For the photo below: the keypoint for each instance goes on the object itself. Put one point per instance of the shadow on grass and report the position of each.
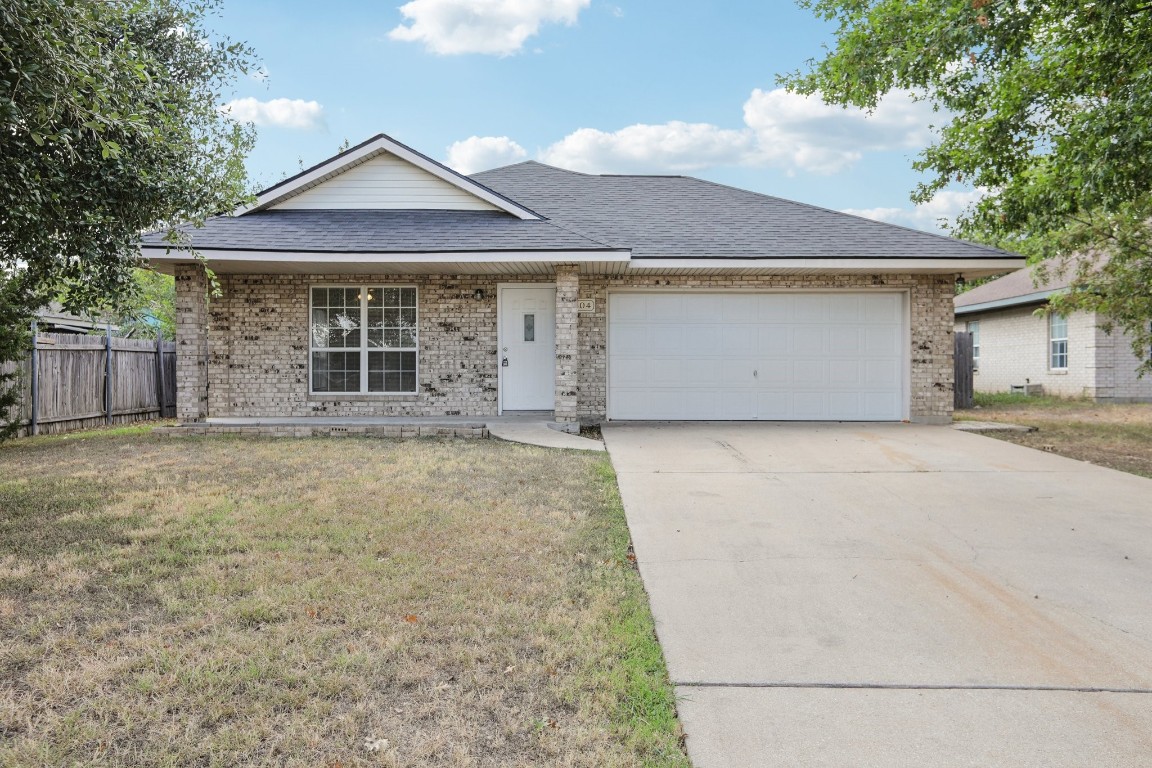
(44, 516)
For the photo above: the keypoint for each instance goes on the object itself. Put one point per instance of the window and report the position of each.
(363, 339)
(974, 329)
(1057, 342)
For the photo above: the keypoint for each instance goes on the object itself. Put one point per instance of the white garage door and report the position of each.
(773, 356)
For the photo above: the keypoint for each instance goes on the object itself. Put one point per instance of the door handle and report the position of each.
(504, 362)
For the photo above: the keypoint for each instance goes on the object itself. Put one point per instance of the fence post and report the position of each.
(160, 372)
(108, 374)
(34, 425)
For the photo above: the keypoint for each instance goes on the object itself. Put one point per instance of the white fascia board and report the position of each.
(1014, 301)
(161, 254)
(943, 266)
(368, 150)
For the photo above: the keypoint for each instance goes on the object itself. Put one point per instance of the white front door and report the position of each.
(527, 356)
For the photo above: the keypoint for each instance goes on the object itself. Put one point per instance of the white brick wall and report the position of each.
(257, 343)
(1014, 351)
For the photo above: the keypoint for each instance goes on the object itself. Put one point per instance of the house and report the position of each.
(381, 283)
(1014, 345)
(54, 319)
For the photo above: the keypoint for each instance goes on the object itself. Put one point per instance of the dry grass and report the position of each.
(326, 602)
(1110, 435)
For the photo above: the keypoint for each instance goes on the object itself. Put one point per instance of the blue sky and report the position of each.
(624, 86)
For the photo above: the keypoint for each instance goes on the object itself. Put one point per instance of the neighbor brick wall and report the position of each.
(258, 341)
(1014, 351)
(1116, 377)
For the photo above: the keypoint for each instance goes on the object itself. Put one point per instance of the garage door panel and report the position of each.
(808, 340)
(845, 373)
(809, 406)
(737, 340)
(774, 308)
(739, 308)
(882, 373)
(773, 339)
(880, 340)
(809, 373)
(843, 339)
(628, 372)
(883, 308)
(665, 339)
(794, 356)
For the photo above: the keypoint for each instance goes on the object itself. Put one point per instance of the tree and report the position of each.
(1046, 105)
(109, 126)
(151, 307)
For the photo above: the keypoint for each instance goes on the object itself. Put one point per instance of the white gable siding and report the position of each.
(385, 182)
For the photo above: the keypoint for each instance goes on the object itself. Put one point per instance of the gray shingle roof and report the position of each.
(683, 217)
(1014, 285)
(389, 231)
(666, 217)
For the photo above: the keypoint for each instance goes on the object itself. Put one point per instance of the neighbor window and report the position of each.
(974, 329)
(1057, 342)
(363, 339)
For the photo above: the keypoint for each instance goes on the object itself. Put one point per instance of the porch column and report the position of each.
(191, 343)
(567, 346)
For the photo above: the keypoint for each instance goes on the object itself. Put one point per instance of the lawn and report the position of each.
(1111, 435)
(322, 602)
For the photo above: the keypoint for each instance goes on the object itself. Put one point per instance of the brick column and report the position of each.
(191, 343)
(567, 346)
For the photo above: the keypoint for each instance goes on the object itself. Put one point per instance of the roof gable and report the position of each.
(383, 174)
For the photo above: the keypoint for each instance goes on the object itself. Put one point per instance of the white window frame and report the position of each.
(973, 328)
(1054, 339)
(363, 349)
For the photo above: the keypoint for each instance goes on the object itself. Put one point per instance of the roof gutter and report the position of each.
(1013, 301)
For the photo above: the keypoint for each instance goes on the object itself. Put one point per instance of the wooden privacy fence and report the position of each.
(74, 382)
(963, 395)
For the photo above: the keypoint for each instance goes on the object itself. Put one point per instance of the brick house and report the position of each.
(381, 283)
(1067, 356)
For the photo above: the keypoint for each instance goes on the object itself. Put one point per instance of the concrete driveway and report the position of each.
(892, 595)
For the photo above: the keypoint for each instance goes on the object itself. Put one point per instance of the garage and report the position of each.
(795, 356)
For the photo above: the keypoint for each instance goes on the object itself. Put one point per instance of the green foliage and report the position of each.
(1048, 106)
(15, 342)
(151, 307)
(109, 126)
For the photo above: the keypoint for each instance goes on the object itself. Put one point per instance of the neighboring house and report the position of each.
(1015, 346)
(53, 319)
(380, 282)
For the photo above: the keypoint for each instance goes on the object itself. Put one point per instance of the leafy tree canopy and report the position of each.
(1046, 105)
(109, 126)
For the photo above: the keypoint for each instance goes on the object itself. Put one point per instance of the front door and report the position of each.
(527, 348)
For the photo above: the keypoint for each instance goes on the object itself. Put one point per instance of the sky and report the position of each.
(599, 86)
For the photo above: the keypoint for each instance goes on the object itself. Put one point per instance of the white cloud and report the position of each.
(802, 132)
(932, 216)
(284, 113)
(479, 153)
(781, 129)
(497, 27)
(675, 146)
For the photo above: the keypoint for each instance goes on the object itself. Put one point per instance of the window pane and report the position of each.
(407, 338)
(408, 317)
(392, 382)
(376, 297)
(319, 297)
(529, 327)
(391, 337)
(408, 382)
(390, 297)
(335, 371)
(408, 297)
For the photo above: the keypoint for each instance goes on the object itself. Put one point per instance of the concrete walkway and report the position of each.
(539, 433)
(892, 595)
